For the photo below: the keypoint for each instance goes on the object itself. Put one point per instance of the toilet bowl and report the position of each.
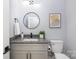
(57, 48)
(61, 56)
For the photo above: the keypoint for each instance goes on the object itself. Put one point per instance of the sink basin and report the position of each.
(30, 39)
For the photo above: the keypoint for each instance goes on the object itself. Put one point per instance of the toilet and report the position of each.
(57, 48)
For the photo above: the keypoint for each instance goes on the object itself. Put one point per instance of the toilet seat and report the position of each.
(61, 56)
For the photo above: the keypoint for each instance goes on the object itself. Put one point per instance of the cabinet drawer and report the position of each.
(29, 46)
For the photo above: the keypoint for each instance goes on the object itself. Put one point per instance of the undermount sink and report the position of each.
(30, 39)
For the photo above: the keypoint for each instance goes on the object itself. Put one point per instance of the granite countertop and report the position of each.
(21, 41)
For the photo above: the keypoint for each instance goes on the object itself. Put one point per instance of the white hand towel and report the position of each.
(17, 29)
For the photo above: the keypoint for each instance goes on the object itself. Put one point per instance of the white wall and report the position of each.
(70, 13)
(6, 26)
(18, 10)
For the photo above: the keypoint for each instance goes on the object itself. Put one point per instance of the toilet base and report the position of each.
(60, 56)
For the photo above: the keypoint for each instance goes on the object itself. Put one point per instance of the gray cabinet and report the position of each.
(39, 55)
(29, 51)
(18, 55)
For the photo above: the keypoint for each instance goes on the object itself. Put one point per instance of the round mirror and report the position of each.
(31, 20)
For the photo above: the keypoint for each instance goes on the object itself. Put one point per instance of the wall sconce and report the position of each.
(31, 2)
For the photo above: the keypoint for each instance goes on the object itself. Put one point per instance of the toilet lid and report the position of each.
(61, 56)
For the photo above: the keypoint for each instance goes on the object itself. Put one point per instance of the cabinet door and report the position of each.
(19, 55)
(38, 55)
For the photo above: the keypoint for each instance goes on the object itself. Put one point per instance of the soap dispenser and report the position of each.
(22, 35)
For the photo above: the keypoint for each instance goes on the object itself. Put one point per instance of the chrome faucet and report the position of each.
(31, 35)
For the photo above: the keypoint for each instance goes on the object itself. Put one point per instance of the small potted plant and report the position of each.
(42, 35)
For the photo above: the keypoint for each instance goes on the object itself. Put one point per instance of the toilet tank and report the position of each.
(57, 46)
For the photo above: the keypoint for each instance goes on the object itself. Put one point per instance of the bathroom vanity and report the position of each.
(21, 49)
(31, 48)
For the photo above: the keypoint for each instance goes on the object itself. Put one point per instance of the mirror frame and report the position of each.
(36, 15)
